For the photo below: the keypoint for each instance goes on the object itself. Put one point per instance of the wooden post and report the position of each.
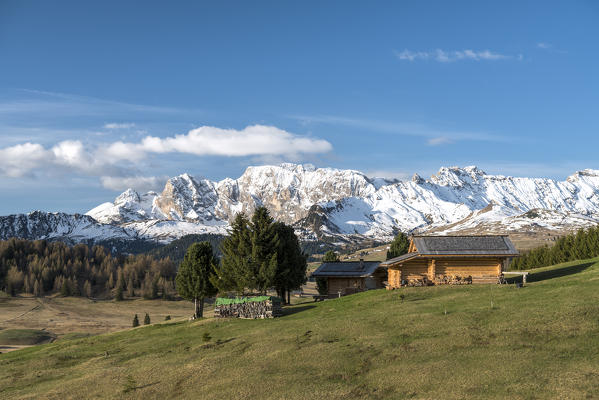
(431, 270)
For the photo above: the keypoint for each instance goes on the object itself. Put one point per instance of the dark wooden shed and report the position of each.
(345, 277)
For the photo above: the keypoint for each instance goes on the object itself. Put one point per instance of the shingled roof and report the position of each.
(352, 269)
(459, 245)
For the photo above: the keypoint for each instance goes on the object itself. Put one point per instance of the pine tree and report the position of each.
(118, 294)
(120, 286)
(147, 319)
(291, 263)
(399, 246)
(135, 321)
(235, 273)
(330, 256)
(65, 290)
(193, 278)
(264, 244)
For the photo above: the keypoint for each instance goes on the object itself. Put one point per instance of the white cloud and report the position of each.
(543, 45)
(19, 160)
(139, 183)
(451, 56)
(436, 141)
(118, 163)
(207, 140)
(115, 125)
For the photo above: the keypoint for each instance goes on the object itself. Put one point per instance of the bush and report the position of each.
(321, 286)
(167, 318)
(135, 321)
(206, 337)
(147, 319)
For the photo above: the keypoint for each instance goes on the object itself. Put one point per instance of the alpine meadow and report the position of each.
(279, 200)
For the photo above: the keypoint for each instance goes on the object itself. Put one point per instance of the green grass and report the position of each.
(24, 337)
(451, 342)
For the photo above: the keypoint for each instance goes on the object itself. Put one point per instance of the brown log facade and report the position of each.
(451, 260)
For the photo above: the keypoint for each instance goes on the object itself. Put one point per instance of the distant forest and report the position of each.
(578, 246)
(41, 268)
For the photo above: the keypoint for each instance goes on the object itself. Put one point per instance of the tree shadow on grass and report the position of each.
(295, 310)
(552, 273)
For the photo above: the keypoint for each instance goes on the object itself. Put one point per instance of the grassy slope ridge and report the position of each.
(490, 341)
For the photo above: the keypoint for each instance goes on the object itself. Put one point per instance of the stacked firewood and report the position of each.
(418, 282)
(251, 310)
(453, 280)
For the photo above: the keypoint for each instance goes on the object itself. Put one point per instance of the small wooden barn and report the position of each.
(451, 260)
(345, 277)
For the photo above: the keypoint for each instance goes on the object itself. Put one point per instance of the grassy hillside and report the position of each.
(540, 341)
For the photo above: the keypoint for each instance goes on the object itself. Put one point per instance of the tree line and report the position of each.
(583, 244)
(258, 255)
(42, 268)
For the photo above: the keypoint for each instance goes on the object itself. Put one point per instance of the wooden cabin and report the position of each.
(451, 260)
(345, 277)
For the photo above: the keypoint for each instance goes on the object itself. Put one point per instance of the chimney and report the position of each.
(361, 263)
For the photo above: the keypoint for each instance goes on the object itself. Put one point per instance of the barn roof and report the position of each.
(459, 246)
(352, 269)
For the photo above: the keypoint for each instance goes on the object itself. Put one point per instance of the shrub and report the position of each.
(167, 318)
(147, 319)
(321, 286)
(135, 321)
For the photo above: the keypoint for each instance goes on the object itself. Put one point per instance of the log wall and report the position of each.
(482, 270)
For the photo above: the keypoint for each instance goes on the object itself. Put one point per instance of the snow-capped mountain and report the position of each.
(60, 226)
(332, 202)
(343, 205)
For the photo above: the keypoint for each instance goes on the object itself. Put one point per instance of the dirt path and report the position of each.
(38, 306)
(7, 349)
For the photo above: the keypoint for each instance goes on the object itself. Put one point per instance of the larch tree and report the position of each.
(193, 279)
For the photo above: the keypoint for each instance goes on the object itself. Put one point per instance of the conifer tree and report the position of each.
(291, 263)
(87, 289)
(65, 290)
(193, 278)
(234, 272)
(74, 287)
(135, 321)
(330, 256)
(37, 288)
(399, 246)
(264, 244)
(147, 319)
(118, 294)
(130, 288)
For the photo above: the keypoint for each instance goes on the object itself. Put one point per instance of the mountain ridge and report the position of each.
(338, 205)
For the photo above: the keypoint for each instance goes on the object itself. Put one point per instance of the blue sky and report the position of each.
(96, 97)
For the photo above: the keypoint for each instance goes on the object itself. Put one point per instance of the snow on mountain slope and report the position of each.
(72, 228)
(332, 202)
